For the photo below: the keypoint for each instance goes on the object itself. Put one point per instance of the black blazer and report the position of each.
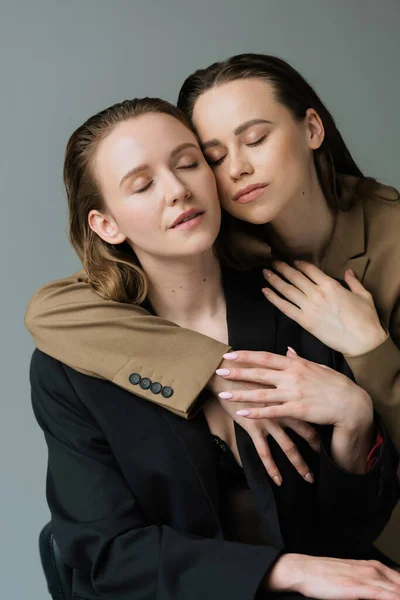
(133, 489)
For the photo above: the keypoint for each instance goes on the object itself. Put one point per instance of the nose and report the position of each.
(239, 166)
(175, 190)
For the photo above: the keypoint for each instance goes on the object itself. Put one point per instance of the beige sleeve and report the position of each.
(122, 343)
(378, 372)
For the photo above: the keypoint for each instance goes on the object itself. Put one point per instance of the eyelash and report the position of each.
(258, 142)
(215, 163)
(192, 166)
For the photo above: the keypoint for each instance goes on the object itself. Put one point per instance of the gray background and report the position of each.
(61, 61)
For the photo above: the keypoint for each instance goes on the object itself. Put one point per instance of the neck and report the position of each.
(186, 291)
(305, 227)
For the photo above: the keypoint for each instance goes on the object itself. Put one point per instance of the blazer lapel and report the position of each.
(251, 318)
(347, 248)
(260, 487)
(196, 440)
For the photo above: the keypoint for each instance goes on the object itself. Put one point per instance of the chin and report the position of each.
(257, 215)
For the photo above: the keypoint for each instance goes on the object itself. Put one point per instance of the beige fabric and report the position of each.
(110, 340)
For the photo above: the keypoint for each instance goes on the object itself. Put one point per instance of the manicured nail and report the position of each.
(277, 480)
(309, 477)
(267, 273)
(225, 395)
(291, 350)
(243, 413)
(222, 372)
(230, 356)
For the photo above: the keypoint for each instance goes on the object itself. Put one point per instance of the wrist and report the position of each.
(360, 414)
(371, 341)
(281, 578)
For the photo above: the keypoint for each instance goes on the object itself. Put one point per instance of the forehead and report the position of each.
(149, 137)
(230, 104)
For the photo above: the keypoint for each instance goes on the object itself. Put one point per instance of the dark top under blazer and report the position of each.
(133, 489)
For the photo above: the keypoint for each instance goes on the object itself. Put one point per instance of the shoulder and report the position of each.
(382, 220)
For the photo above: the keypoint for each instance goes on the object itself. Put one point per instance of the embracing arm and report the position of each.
(378, 372)
(101, 528)
(113, 340)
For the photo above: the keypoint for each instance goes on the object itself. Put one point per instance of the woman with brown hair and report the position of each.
(288, 182)
(145, 504)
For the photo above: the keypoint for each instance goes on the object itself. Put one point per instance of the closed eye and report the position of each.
(191, 166)
(215, 163)
(144, 188)
(258, 142)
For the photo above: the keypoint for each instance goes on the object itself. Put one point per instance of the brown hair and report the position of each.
(113, 271)
(331, 160)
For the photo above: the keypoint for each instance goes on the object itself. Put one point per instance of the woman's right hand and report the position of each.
(333, 578)
(259, 429)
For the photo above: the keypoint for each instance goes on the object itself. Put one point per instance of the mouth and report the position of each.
(249, 193)
(188, 219)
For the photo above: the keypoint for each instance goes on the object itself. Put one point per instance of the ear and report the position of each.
(106, 227)
(315, 129)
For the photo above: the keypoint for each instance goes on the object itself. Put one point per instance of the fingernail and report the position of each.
(352, 272)
(309, 477)
(267, 273)
(230, 355)
(242, 413)
(265, 291)
(291, 350)
(296, 262)
(277, 480)
(222, 372)
(225, 395)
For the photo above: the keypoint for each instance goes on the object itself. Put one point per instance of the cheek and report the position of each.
(136, 218)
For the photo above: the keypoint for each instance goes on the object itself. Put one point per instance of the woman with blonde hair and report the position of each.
(145, 504)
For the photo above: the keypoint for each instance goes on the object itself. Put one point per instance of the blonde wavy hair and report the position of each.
(113, 271)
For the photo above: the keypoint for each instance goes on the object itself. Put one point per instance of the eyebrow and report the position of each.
(142, 168)
(240, 129)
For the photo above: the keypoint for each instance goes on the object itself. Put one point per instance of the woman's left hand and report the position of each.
(344, 320)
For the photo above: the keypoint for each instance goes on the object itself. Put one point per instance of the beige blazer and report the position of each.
(116, 341)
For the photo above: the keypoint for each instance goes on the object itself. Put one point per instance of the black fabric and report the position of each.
(134, 492)
(58, 575)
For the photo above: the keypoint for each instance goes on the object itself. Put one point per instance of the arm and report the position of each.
(101, 528)
(378, 372)
(112, 340)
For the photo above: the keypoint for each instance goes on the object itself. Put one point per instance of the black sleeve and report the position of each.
(364, 502)
(100, 527)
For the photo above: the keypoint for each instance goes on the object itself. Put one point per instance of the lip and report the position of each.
(185, 215)
(249, 193)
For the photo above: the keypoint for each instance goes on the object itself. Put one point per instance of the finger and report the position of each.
(260, 396)
(290, 449)
(287, 308)
(391, 574)
(261, 445)
(368, 592)
(255, 375)
(290, 291)
(385, 584)
(312, 272)
(306, 431)
(290, 409)
(291, 353)
(355, 285)
(295, 276)
(263, 359)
